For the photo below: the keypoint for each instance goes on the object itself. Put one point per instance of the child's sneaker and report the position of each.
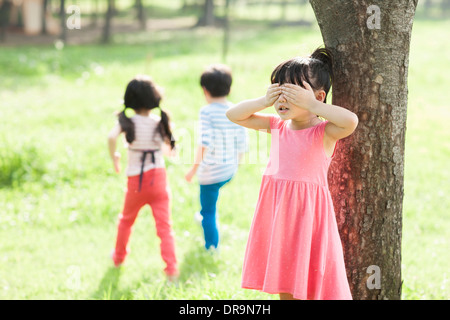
(117, 265)
(198, 218)
(172, 278)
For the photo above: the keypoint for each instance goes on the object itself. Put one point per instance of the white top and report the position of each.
(224, 141)
(147, 137)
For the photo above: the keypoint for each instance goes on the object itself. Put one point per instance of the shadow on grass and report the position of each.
(108, 287)
(199, 263)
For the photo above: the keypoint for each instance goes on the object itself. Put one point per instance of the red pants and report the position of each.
(154, 192)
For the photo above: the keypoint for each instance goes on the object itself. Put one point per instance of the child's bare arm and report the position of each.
(112, 145)
(342, 122)
(246, 113)
(200, 152)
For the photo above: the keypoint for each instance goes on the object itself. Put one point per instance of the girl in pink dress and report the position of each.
(294, 248)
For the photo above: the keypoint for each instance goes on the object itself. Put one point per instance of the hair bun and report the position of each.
(326, 57)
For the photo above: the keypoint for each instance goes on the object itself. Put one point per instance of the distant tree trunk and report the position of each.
(226, 30)
(208, 18)
(108, 17)
(95, 13)
(141, 14)
(44, 16)
(62, 14)
(445, 6)
(283, 10)
(371, 48)
(5, 9)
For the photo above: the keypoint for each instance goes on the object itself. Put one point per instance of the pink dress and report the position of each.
(294, 245)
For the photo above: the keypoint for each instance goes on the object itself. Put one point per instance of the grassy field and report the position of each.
(59, 196)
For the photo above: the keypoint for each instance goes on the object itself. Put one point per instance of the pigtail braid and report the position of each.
(127, 126)
(164, 128)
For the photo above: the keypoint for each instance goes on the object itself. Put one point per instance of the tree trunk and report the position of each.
(208, 18)
(108, 18)
(5, 11)
(94, 13)
(62, 14)
(141, 14)
(371, 48)
(226, 31)
(44, 16)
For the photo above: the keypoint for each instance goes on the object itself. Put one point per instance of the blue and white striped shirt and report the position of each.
(224, 142)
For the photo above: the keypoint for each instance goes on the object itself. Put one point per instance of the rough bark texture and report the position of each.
(366, 176)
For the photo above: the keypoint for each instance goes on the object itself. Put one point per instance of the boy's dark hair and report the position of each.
(217, 80)
(317, 70)
(141, 93)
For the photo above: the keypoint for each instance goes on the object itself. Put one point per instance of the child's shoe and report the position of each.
(172, 278)
(198, 218)
(116, 264)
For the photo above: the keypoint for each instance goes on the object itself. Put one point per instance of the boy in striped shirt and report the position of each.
(220, 147)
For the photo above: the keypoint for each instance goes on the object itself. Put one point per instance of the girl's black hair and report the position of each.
(317, 70)
(141, 93)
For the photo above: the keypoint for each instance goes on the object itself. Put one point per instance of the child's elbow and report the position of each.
(353, 122)
(229, 115)
(112, 138)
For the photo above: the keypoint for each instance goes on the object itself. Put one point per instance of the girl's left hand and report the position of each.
(296, 95)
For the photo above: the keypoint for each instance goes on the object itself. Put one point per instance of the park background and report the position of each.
(59, 195)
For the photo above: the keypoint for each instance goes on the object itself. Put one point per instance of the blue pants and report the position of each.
(209, 194)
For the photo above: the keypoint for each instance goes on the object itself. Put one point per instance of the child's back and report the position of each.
(224, 141)
(145, 139)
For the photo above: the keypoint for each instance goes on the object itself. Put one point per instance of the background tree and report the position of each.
(207, 18)
(94, 10)
(44, 16)
(141, 14)
(62, 15)
(371, 48)
(5, 8)
(108, 18)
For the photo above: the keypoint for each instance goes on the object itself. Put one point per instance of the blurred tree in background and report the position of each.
(32, 18)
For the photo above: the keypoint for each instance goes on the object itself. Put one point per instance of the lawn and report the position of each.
(59, 196)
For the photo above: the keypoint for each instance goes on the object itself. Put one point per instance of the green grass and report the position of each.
(59, 206)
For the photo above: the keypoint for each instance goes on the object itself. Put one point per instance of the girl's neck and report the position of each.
(299, 124)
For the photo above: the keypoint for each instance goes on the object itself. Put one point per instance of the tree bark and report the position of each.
(366, 176)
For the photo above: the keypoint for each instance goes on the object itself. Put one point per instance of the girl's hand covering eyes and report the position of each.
(273, 92)
(298, 96)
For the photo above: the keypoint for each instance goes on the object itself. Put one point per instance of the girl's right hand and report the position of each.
(116, 161)
(272, 94)
(190, 174)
